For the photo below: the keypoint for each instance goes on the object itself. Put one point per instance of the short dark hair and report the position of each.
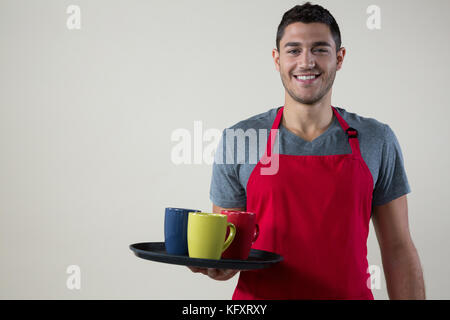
(309, 13)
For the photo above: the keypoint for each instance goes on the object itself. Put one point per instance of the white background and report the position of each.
(86, 118)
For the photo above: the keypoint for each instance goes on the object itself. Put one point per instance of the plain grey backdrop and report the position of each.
(86, 117)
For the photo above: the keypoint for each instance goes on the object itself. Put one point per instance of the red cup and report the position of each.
(247, 231)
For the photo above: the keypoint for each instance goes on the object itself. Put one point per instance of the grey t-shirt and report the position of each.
(239, 151)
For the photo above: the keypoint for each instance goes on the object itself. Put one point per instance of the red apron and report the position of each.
(315, 212)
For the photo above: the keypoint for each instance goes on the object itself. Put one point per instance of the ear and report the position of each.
(340, 58)
(276, 58)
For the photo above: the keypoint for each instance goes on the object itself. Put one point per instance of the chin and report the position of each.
(308, 100)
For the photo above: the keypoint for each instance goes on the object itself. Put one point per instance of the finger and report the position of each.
(213, 273)
(225, 274)
(199, 270)
(230, 273)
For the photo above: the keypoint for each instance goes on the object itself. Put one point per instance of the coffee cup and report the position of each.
(247, 231)
(175, 230)
(206, 235)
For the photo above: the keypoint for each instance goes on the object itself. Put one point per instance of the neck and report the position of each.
(307, 120)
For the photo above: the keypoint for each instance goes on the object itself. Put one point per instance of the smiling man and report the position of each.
(336, 171)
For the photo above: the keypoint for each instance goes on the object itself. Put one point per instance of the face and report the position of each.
(307, 61)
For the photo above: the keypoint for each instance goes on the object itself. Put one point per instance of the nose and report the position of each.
(306, 60)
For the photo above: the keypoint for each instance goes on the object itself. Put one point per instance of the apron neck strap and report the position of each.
(351, 132)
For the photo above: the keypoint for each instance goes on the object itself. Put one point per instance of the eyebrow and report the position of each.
(315, 44)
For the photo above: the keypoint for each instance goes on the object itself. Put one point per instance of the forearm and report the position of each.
(403, 271)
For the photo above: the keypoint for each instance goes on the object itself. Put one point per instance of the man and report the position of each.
(335, 171)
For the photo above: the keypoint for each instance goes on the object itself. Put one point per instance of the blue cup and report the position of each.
(175, 230)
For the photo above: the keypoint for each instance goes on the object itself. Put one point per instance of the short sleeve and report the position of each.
(392, 181)
(226, 190)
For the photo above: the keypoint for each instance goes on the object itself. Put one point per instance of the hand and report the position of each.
(216, 274)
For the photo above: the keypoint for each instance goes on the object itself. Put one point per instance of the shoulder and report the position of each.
(262, 120)
(368, 128)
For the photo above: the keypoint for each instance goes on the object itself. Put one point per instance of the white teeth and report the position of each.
(306, 77)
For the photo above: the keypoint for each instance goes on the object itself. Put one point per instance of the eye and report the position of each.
(320, 50)
(293, 51)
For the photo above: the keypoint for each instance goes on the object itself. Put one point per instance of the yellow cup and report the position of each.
(206, 235)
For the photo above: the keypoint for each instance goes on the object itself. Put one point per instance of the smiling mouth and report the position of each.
(307, 78)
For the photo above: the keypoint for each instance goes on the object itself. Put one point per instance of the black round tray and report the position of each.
(156, 251)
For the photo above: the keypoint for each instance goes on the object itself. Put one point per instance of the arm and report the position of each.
(217, 209)
(401, 264)
(217, 274)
